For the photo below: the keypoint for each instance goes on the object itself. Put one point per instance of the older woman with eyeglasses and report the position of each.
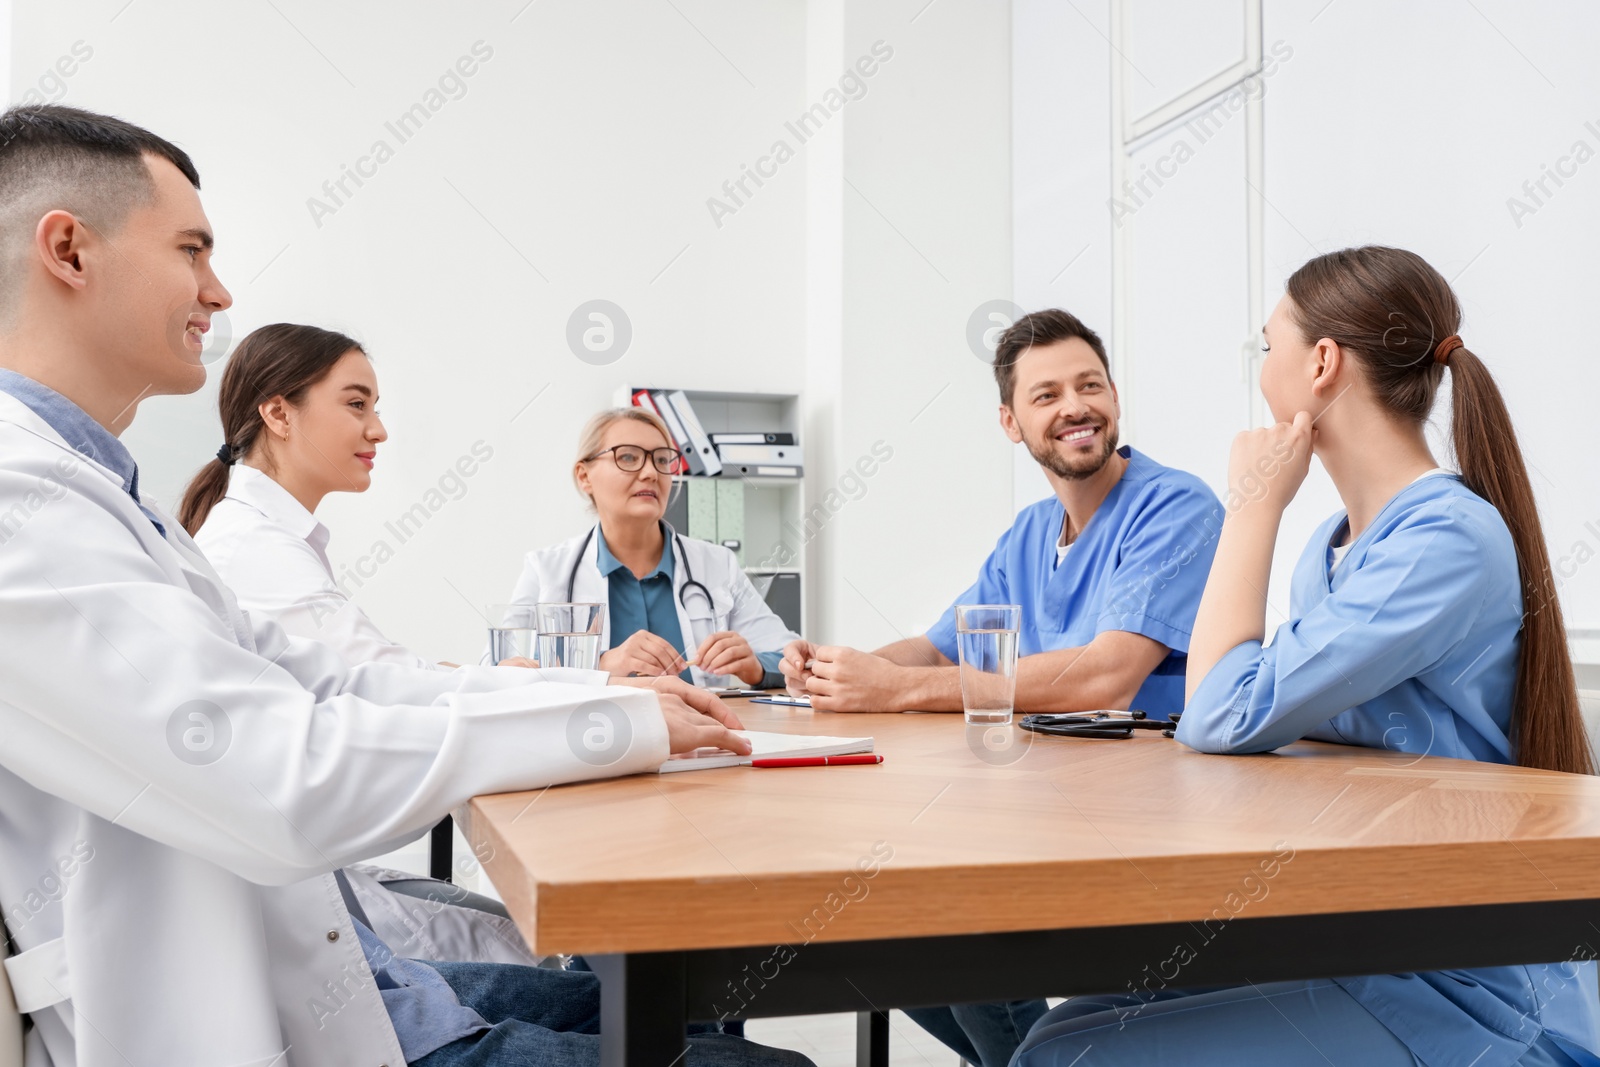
(675, 605)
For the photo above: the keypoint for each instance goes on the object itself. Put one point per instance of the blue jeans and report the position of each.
(549, 1018)
(1236, 1026)
(1282, 1022)
(982, 1034)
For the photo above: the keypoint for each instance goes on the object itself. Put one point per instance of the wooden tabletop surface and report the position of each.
(959, 832)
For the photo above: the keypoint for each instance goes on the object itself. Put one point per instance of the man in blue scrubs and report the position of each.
(1108, 571)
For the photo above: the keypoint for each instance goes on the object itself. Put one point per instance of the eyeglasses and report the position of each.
(630, 458)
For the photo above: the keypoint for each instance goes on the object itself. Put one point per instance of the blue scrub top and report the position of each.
(641, 603)
(1410, 645)
(1139, 566)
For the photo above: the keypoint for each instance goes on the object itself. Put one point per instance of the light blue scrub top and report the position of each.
(1139, 566)
(1410, 645)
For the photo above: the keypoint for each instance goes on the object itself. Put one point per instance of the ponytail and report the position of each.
(1398, 316)
(284, 360)
(208, 487)
(1546, 722)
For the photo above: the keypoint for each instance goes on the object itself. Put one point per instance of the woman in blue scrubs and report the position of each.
(1412, 627)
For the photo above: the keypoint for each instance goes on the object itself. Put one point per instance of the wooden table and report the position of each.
(984, 864)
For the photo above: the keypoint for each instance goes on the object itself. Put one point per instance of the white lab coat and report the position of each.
(273, 554)
(737, 606)
(189, 908)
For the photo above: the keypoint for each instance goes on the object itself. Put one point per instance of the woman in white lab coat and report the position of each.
(675, 605)
(299, 419)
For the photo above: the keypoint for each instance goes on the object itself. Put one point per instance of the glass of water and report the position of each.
(569, 635)
(986, 640)
(512, 631)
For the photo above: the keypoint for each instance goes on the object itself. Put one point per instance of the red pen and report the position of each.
(817, 761)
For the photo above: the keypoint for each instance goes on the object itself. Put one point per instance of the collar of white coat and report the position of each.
(258, 489)
(15, 411)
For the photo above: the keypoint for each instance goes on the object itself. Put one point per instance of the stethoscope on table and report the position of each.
(1110, 725)
(683, 590)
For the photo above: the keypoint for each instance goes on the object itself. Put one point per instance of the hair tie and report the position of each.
(1447, 346)
(225, 455)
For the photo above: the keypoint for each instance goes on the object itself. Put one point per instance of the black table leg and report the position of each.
(642, 1017)
(872, 1039)
(441, 845)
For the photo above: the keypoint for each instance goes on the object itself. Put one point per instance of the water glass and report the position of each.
(569, 635)
(986, 641)
(512, 630)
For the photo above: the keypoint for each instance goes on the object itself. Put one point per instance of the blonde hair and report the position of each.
(594, 431)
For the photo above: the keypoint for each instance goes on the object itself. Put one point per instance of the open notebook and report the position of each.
(767, 746)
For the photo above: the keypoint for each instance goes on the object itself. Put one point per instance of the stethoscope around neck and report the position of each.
(683, 589)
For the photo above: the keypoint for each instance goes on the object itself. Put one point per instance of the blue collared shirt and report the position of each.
(424, 1010)
(641, 603)
(80, 431)
(647, 604)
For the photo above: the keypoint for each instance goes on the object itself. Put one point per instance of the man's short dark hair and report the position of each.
(63, 158)
(1039, 328)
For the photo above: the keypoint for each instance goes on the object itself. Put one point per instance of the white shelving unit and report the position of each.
(774, 507)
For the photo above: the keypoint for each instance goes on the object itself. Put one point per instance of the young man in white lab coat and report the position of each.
(177, 783)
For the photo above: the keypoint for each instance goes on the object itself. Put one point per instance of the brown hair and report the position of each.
(92, 165)
(594, 431)
(1039, 328)
(1391, 309)
(278, 360)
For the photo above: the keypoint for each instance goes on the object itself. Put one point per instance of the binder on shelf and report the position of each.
(696, 433)
(760, 470)
(643, 399)
(775, 438)
(730, 515)
(664, 408)
(702, 511)
(782, 455)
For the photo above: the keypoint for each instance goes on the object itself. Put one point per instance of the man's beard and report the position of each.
(1073, 468)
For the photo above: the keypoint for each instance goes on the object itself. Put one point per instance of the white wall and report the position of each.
(1454, 109)
(926, 210)
(577, 165)
(1408, 125)
(1061, 158)
(590, 140)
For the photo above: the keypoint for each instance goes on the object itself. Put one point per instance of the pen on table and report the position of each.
(818, 761)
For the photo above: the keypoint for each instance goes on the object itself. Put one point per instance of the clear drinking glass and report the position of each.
(569, 635)
(512, 631)
(986, 641)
